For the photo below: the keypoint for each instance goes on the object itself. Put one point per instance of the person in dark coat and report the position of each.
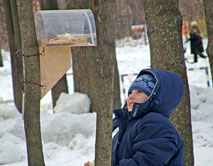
(145, 136)
(196, 43)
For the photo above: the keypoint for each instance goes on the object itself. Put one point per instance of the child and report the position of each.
(146, 136)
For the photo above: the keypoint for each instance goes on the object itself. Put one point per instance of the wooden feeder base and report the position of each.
(54, 63)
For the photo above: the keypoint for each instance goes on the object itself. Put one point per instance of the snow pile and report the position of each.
(69, 138)
(12, 139)
(201, 101)
(68, 135)
(62, 127)
(74, 103)
(202, 116)
(71, 131)
(11, 149)
(11, 121)
(128, 41)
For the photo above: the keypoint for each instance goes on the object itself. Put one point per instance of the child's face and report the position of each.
(135, 96)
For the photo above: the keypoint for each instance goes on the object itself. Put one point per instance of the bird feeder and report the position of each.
(57, 31)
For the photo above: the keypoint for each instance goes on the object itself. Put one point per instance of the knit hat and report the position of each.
(144, 83)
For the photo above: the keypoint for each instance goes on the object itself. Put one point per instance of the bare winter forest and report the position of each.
(128, 13)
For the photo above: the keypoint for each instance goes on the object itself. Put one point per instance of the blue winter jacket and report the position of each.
(146, 137)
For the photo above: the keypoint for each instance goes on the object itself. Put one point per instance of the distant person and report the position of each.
(145, 136)
(196, 42)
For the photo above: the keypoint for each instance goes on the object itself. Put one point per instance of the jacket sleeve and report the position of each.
(155, 143)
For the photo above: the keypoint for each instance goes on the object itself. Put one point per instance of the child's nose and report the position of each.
(132, 95)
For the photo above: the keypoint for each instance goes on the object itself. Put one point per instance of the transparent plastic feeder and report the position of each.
(65, 28)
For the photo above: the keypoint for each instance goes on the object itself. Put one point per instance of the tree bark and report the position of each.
(102, 70)
(164, 25)
(1, 60)
(32, 91)
(123, 19)
(208, 5)
(8, 16)
(14, 44)
(61, 85)
(80, 70)
(80, 55)
(18, 60)
(80, 58)
(117, 95)
(48, 4)
(96, 65)
(137, 10)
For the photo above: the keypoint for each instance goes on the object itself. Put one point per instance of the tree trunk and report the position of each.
(48, 4)
(80, 57)
(117, 95)
(14, 44)
(1, 60)
(78, 4)
(81, 75)
(102, 70)
(137, 10)
(164, 24)
(32, 91)
(96, 65)
(208, 5)
(18, 60)
(80, 70)
(61, 85)
(123, 19)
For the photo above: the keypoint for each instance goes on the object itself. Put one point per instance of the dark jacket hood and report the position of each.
(165, 96)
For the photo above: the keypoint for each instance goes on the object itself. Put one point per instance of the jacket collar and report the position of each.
(138, 111)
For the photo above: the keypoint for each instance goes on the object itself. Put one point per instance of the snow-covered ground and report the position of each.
(69, 134)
